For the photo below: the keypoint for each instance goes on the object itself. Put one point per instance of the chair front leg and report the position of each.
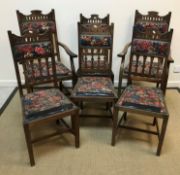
(114, 126)
(60, 85)
(29, 144)
(75, 128)
(162, 134)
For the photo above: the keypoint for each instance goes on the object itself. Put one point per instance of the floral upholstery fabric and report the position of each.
(143, 98)
(95, 40)
(38, 71)
(149, 47)
(38, 27)
(44, 102)
(139, 66)
(32, 50)
(94, 86)
(144, 26)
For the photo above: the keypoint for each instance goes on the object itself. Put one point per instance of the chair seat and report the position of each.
(34, 70)
(140, 66)
(143, 98)
(43, 103)
(94, 86)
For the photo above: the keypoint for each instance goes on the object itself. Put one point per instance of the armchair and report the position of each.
(143, 23)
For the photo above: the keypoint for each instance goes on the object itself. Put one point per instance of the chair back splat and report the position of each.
(95, 40)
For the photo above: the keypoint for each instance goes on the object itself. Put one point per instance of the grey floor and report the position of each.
(5, 92)
(134, 153)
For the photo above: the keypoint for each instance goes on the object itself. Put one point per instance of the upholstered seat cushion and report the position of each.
(143, 98)
(94, 86)
(40, 104)
(37, 71)
(138, 68)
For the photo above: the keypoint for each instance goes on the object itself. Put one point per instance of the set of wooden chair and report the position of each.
(40, 73)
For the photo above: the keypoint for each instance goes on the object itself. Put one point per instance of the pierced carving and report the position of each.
(94, 19)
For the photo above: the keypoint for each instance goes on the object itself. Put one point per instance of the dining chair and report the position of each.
(41, 107)
(140, 96)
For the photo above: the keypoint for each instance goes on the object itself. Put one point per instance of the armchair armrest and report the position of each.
(72, 55)
(122, 55)
(68, 51)
(124, 52)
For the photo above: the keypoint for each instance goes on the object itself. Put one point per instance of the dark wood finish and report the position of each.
(140, 76)
(29, 24)
(24, 59)
(95, 56)
(151, 21)
(152, 17)
(94, 19)
(96, 101)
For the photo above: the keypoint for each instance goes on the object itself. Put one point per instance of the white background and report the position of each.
(67, 15)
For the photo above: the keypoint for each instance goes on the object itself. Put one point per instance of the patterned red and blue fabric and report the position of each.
(144, 26)
(42, 103)
(144, 98)
(95, 40)
(38, 71)
(32, 50)
(150, 47)
(39, 27)
(95, 86)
